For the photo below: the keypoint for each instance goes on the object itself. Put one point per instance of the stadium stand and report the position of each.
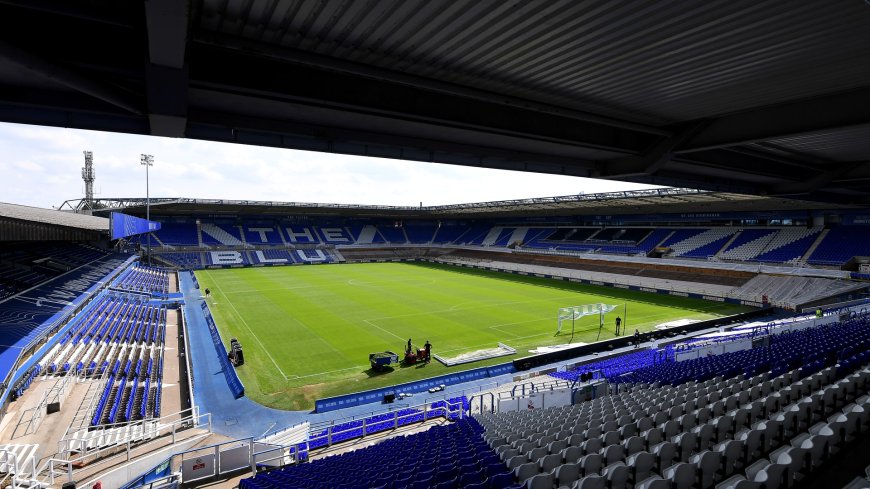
(24, 319)
(793, 290)
(262, 234)
(788, 245)
(274, 256)
(364, 234)
(443, 456)
(178, 234)
(840, 245)
(701, 245)
(144, 279)
(213, 234)
(334, 235)
(450, 234)
(420, 233)
(123, 337)
(25, 268)
(475, 235)
(392, 234)
(182, 260)
(748, 244)
(450, 409)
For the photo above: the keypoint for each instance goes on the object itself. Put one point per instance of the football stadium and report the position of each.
(709, 330)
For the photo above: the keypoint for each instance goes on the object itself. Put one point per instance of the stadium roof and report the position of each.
(57, 218)
(763, 98)
(654, 201)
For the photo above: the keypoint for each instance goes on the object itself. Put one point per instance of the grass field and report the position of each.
(307, 331)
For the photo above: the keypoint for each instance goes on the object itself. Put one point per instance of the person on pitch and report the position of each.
(428, 347)
(408, 349)
(636, 338)
(618, 324)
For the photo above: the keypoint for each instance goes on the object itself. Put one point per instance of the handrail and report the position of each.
(147, 438)
(448, 409)
(151, 430)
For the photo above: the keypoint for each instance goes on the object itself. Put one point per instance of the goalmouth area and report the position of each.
(307, 331)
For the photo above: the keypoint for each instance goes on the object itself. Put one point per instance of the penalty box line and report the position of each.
(245, 323)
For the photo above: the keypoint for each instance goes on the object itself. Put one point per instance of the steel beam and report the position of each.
(824, 113)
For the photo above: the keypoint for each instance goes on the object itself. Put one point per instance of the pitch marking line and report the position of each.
(490, 344)
(414, 282)
(296, 377)
(249, 328)
(455, 308)
(369, 322)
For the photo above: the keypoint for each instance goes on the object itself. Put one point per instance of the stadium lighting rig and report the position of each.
(147, 161)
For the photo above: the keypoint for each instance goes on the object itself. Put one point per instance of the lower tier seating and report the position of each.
(452, 456)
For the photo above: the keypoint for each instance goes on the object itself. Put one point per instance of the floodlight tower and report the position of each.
(89, 176)
(147, 161)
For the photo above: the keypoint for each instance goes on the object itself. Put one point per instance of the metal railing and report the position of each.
(13, 474)
(330, 432)
(144, 429)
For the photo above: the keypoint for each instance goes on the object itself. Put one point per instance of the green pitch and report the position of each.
(307, 330)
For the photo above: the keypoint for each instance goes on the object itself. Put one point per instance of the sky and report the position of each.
(41, 166)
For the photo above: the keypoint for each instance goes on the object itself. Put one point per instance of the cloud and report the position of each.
(29, 166)
(45, 164)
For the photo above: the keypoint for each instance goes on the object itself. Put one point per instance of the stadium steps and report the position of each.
(337, 255)
(492, 236)
(645, 237)
(592, 236)
(281, 235)
(749, 249)
(815, 245)
(519, 235)
(728, 243)
(378, 233)
(367, 234)
(685, 246)
(787, 236)
(435, 234)
(242, 234)
(666, 238)
(198, 233)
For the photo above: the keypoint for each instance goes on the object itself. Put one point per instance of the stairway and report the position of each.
(728, 243)
(337, 255)
(492, 236)
(137, 402)
(242, 234)
(815, 245)
(110, 401)
(687, 246)
(367, 234)
(665, 239)
(518, 236)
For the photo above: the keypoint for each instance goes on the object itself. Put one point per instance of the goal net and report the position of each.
(573, 313)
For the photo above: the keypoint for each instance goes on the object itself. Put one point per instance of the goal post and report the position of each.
(569, 315)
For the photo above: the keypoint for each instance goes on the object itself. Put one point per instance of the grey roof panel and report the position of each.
(50, 216)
